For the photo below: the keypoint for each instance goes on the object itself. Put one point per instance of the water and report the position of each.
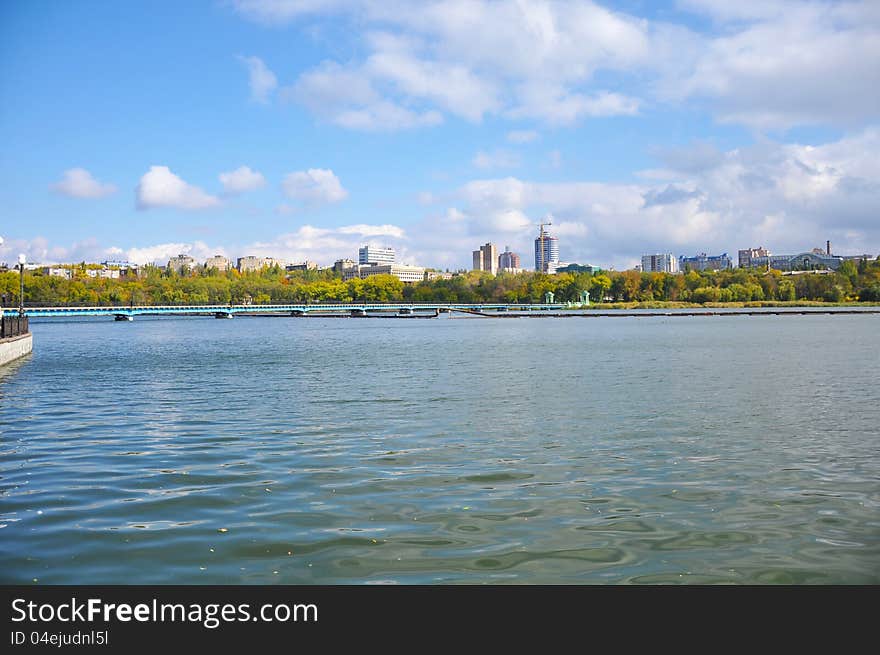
(279, 450)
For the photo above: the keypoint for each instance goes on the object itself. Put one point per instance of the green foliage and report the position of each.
(853, 282)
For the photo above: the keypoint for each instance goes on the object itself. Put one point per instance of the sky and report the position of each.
(303, 129)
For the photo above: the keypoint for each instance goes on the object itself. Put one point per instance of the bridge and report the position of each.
(228, 311)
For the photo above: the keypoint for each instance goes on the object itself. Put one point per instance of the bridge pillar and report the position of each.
(222, 314)
(405, 310)
(297, 313)
(358, 313)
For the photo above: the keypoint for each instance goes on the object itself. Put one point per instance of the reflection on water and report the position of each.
(645, 450)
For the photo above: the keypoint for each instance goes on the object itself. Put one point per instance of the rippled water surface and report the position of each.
(262, 450)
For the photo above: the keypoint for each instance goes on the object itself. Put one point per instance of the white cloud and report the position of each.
(262, 80)
(522, 136)
(79, 183)
(325, 245)
(767, 65)
(496, 159)
(162, 252)
(777, 65)
(159, 187)
(314, 186)
(242, 179)
(787, 197)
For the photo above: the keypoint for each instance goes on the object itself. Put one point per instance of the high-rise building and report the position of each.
(375, 256)
(704, 262)
(486, 258)
(508, 261)
(659, 263)
(546, 252)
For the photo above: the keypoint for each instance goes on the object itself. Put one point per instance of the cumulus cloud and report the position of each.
(159, 187)
(788, 197)
(314, 186)
(242, 179)
(262, 80)
(767, 65)
(79, 183)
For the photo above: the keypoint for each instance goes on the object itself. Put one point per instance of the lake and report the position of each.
(719, 449)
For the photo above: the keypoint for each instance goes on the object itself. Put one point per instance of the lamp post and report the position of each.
(22, 260)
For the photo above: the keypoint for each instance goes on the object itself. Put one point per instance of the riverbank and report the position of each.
(14, 347)
(659, 304)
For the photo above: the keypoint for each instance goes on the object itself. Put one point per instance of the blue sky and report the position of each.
(302, 129)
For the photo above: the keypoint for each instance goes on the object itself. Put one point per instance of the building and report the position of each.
(406, 274)
(346, 268)
(546, 252)
(430, 276)
(374, 255)
(307, 265)
(508, 261)
(486, 258)
(704, 262)
(106, 273)
(57, 271)
(218, 262)
(748, 256)
(251, 263)
(660, 263)
(180, 263)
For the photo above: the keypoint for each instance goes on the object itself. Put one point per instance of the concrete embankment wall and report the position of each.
(15, 347)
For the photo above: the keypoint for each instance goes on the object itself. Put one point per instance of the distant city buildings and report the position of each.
(659, 263)
(508, 262)
(251, 264)
(816, 259)
(181, 263)
(750, 255)
(704, 262)
(374, 255)
(546, 252)
(218, 262)
(404, 273)
(486, 258)
(577, 268)
(307, 265)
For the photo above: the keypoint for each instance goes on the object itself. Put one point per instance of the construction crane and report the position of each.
(541, 235)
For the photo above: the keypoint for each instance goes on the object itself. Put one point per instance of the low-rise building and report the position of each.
(430, 276)
(404, 273)
(704, 262)
(57, 271)
(576, 268)
(302, 266)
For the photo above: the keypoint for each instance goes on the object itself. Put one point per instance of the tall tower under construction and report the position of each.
(546, 251)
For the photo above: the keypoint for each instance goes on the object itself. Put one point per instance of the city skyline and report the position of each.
(276, 130)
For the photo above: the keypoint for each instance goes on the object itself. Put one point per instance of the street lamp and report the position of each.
(22, 260)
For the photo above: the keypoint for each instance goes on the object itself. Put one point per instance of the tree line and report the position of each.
(854, 281)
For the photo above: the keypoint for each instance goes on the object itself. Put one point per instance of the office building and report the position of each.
(659, 263)
(704, 262)
(373, 255)
(486, 258)
(546, 252)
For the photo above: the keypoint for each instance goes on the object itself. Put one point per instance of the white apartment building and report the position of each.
(660, 263)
